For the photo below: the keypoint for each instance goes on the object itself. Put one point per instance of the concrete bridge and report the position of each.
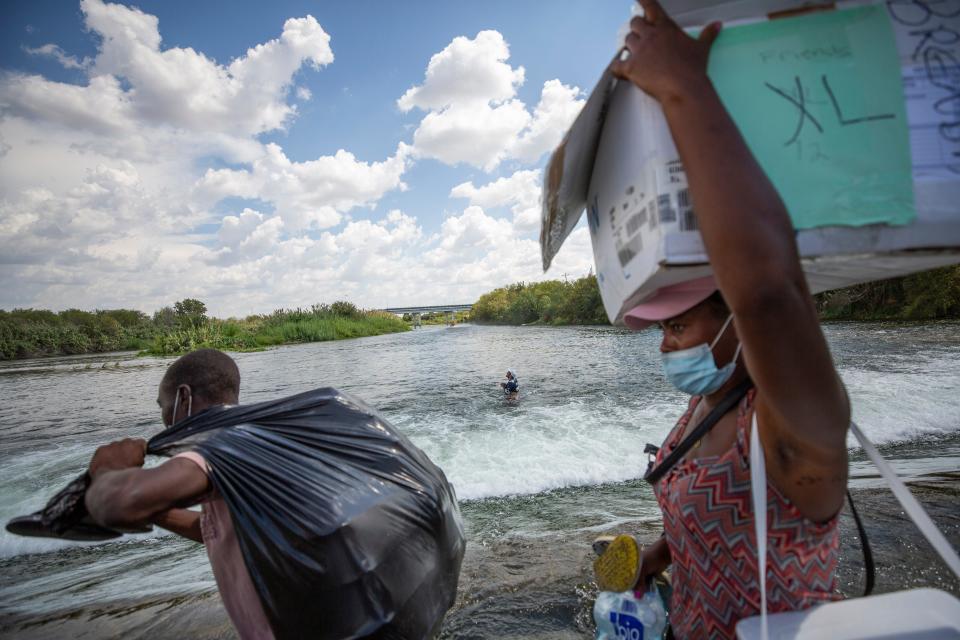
(449, 310)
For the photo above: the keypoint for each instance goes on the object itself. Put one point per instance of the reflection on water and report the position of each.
(538, 478)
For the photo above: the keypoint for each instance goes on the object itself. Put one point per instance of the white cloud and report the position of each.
(520, 191)
(183, 88)
(475, 134)
(556, 111)
(53, 51)
(97, 205)
(308, 194)
(466, 71)
(103, 202)
(177, 88)
(473, 115)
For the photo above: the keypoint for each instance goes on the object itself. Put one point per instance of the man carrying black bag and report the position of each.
(125, 496)
(319, 519)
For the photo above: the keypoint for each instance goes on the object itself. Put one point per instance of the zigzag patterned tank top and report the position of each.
(708, 523)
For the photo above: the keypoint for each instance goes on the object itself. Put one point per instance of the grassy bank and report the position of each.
(931, 295)
(28, 333)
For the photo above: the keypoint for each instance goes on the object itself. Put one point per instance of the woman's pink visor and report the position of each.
(669, 301)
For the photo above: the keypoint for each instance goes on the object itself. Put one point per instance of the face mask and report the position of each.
(176, 405)
(693, 370)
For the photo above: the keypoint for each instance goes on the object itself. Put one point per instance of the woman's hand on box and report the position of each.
(660, 58)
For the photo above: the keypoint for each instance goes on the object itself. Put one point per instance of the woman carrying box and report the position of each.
(755, 320)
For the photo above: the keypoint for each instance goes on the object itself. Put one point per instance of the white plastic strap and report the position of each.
(913, 508)
(758, 489)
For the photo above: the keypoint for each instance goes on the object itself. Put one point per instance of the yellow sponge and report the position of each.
(618, 569)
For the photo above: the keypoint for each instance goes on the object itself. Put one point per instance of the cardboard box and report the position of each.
(618, 161)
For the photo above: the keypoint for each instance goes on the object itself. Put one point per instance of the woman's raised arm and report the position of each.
(802, 406)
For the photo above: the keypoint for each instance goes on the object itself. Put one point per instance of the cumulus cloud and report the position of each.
(114, 191)
(184, 88)
(466, 71)
(520, 191)
(556, 111)
(308, 194)
(96, 176)
(179, 89)
(475, 134)
(473, 115)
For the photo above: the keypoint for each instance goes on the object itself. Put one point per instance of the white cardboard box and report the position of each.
(618, 161)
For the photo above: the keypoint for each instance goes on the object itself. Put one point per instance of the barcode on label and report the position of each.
(636, 221)
(666, 212)
(627, 252)
(688, 220)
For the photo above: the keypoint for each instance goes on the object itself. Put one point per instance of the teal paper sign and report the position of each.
(819, 99)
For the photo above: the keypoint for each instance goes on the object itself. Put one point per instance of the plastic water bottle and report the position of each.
(623, 616)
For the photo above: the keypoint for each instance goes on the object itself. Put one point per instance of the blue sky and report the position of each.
(157, 230)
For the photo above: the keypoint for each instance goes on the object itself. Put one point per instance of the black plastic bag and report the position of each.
(346, 528)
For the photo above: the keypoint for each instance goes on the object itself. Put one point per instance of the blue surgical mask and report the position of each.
(693, 370)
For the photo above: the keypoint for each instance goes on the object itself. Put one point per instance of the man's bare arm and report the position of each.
(132, 497)
(182, 522)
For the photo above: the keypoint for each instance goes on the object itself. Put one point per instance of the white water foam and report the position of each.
(579, 443)
(915, 396)
(493, 450)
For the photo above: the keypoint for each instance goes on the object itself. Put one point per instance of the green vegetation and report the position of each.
(459, 317)
(929, 295)
(550, 302)
(27, 333)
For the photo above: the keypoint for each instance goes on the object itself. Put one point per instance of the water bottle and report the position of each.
(624, 616)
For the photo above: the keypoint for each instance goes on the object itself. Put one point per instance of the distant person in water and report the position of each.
(512, 386)
(123, 494)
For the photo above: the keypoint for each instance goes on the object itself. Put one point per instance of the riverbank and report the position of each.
(289, 327)
(32, 333)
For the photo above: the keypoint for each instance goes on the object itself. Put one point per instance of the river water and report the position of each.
(537, 479)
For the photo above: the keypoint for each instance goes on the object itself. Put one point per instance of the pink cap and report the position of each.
(670, 301)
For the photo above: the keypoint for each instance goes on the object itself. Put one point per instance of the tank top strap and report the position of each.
(744, 413)
(675, 434)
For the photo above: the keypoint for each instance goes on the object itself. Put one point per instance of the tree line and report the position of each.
(548, 302)
(930, 295)
(182, 327)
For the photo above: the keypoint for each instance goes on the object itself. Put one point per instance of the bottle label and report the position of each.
(627, 627)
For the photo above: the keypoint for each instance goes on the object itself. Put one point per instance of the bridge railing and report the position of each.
(430, 309)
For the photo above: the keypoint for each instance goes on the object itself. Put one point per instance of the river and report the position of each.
(537, 479)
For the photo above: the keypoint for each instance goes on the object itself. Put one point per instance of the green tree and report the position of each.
(345, 309)
(165, 318)
(190, 312)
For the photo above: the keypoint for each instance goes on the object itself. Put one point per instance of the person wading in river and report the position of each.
(512, 386)
(124, 495)
(756, 320)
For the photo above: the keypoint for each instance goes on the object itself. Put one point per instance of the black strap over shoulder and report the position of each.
(868, 565)
(729, 401)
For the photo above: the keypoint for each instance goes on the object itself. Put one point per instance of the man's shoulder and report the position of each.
(195, 458)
